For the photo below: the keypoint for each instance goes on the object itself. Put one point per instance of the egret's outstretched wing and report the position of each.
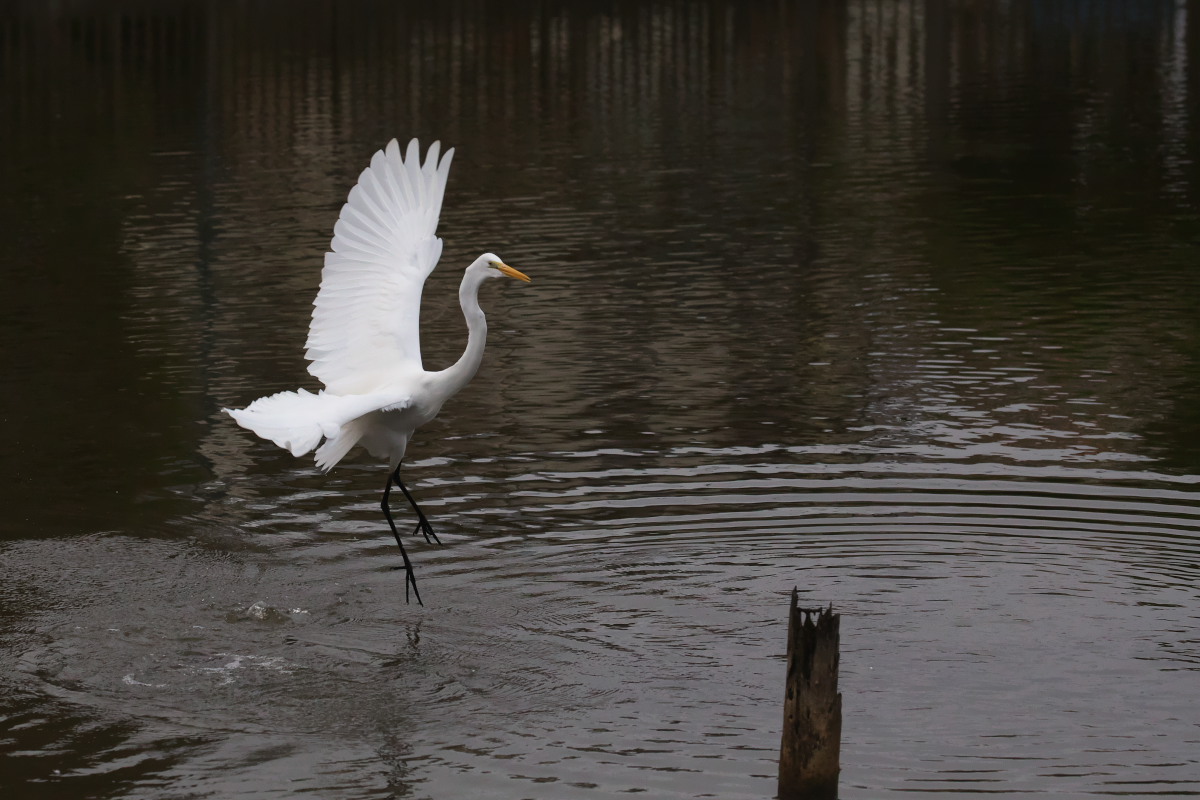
(365, 325)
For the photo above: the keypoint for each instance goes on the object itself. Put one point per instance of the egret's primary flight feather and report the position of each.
(364, 340)
(366, 313)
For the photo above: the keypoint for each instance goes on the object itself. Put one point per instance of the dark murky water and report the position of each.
(898, 303)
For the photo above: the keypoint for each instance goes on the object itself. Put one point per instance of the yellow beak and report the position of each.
(512, 273)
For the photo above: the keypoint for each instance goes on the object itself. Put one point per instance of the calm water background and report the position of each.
(896, 302)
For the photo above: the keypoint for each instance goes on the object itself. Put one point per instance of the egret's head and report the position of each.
(493, 267)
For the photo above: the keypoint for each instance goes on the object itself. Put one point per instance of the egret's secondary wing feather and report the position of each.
(365, 325)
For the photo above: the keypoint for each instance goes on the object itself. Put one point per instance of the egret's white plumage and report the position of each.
(365, 317)
(364, 340)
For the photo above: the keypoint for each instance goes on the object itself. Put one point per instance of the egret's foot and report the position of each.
(426, 529)
(410, 580)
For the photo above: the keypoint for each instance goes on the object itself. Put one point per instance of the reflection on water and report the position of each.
(895, 303)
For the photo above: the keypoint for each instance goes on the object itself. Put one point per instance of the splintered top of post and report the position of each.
(810, 612)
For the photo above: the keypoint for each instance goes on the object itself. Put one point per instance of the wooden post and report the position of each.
(812, 707)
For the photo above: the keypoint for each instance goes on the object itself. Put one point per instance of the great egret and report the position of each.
(364, 340)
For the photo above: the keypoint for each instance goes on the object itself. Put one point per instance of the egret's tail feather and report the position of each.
(336, 447)
(291, 420)
(297, 421)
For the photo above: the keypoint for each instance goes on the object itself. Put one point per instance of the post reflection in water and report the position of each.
(894, 302)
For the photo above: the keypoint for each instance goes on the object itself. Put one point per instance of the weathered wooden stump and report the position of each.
(812, 708)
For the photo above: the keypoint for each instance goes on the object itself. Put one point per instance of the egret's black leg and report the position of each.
(422, 523)
(410, 578)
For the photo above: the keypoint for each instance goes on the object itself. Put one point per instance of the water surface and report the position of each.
(894, 303)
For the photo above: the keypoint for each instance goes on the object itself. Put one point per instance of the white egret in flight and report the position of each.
(364, 340)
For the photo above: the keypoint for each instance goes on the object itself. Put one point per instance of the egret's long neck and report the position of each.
(463, 370)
